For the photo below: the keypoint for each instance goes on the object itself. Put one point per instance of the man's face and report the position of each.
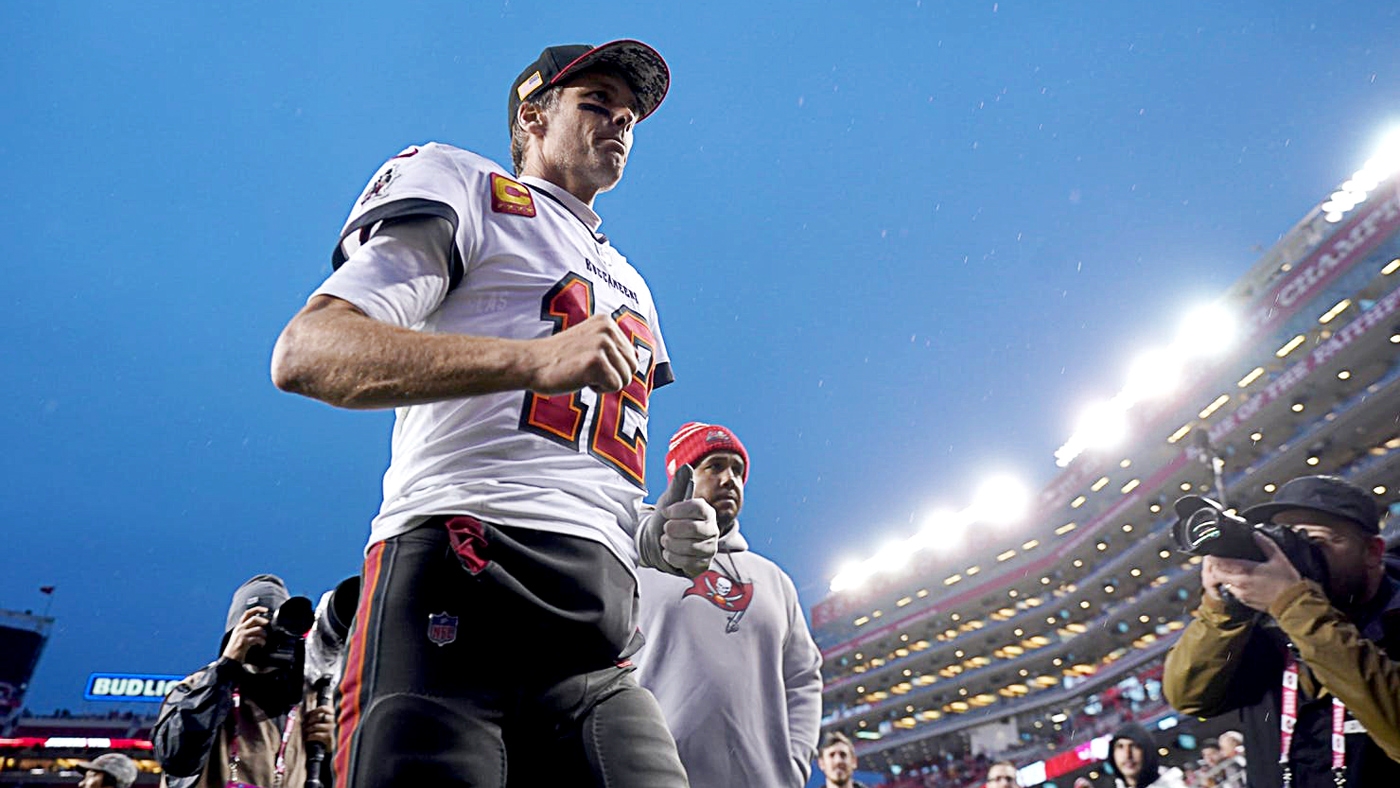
(1211, 755)
(92, 779)
(1127, 758)
(1001, 776)
(1346, 547)
(587, 135)
(719, 479)
(838, 763)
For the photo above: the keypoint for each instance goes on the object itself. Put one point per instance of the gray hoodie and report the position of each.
(736, 672)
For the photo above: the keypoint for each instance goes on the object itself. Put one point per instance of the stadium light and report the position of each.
(1102, 425)
(1155, 373)
(941, 527)
(892, 557)
(1356, 189)
(1000, 500)
(1386, 161)
(1206, 330)
(852, 574)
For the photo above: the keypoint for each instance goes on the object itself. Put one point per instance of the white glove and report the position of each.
(680, 536)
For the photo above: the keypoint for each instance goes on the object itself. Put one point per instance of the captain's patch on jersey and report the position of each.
(507, 196)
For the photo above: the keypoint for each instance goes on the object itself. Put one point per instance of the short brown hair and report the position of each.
(834, 738)
(545, 101)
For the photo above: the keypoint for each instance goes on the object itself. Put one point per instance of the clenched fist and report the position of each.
(680, 536)
(593, 354)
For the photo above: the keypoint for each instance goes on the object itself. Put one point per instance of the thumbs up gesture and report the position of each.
(680, 536)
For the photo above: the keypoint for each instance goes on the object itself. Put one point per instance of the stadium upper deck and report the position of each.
(927, 643)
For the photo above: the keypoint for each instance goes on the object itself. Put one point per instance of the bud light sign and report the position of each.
(129, 686)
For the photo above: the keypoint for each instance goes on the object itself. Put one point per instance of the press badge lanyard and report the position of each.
(1290, 720)
(281, 769)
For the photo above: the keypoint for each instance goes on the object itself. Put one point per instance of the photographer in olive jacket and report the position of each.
(248, 717)
(1321, 661)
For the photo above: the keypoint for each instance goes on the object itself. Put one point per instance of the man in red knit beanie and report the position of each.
(728, 654)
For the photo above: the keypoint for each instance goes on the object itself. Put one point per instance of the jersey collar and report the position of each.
(561, 195)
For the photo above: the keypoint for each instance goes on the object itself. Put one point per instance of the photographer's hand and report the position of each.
(1256, 585)
(1210, 577)
(320, 727)
(251, 630)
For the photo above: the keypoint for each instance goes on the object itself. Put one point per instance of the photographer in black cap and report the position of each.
(1310, 667)
(247, 719)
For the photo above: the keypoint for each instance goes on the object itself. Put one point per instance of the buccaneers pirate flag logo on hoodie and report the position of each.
(729, 595)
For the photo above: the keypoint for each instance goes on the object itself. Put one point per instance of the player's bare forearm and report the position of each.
(332, 352)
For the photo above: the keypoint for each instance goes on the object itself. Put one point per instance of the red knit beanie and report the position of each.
(696, 439)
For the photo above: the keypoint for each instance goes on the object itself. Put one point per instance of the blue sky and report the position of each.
(895, 245)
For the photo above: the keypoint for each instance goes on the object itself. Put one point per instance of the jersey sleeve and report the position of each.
(400, 275)
(420, 181)
(663, 375)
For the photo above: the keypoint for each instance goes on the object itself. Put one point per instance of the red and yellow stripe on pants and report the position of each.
(354, 685)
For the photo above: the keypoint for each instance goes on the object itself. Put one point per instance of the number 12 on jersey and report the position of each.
(615, 435)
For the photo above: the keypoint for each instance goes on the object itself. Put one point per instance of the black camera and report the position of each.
(285, 646)
(1203, 527)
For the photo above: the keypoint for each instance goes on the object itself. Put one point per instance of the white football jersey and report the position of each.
(527, 262)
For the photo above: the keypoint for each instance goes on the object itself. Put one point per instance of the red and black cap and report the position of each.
(646, 73)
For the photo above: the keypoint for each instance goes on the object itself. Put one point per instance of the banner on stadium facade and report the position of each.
(1379, 313)
(147, 687)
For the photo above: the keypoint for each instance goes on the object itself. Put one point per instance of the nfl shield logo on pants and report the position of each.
(442, 628)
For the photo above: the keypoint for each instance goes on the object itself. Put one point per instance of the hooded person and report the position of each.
(1132, 757)
(247, 717)
(1132, 761)
(728, 654)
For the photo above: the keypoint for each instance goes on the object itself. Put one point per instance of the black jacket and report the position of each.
(191, 735)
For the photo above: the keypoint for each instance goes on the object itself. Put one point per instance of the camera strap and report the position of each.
(1289, 720)
(281, 765)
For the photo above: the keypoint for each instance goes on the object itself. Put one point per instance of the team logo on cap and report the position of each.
(442, 628)
(507, 196)
(728, 595)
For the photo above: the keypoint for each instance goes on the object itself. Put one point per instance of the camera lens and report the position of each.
(294, 616)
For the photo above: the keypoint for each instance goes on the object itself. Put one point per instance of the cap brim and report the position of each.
(644, 68)
(1266, 512)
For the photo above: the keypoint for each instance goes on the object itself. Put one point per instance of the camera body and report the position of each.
(286, 645)
(1203, 527)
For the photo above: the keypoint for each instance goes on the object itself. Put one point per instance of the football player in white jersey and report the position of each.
(520, 350)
